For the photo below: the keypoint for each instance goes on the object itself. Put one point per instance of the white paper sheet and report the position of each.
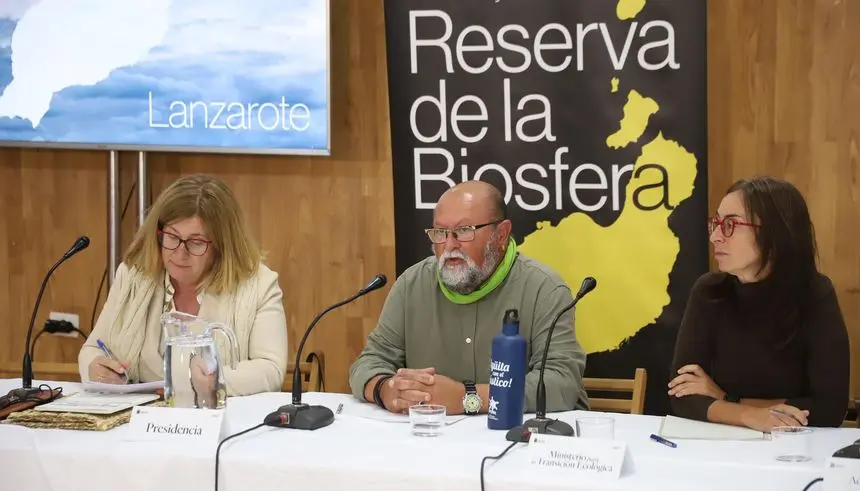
(122, 388)
(371, 411)
(682, 428)
(84, 402)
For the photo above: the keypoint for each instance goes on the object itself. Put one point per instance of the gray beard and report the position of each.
(468, 278)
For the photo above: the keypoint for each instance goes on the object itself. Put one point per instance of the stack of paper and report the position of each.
(682, 428)
(123, 388)
(82, 402)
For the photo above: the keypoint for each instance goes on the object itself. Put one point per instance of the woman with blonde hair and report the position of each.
(193, 254)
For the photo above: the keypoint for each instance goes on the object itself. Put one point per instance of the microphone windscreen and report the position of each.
(588, 284)
(376, 283)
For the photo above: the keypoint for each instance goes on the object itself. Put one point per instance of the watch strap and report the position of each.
(470, 387)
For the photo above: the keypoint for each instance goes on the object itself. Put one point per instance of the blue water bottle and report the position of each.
(507, 375)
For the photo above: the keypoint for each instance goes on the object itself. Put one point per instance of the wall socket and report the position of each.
(74, 319)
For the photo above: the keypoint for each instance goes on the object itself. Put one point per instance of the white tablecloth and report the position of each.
(356, 453)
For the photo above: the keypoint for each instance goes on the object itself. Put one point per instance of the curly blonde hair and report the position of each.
(237, 256)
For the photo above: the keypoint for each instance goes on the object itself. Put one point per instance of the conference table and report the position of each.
(358, 451)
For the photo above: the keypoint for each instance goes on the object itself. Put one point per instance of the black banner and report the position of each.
(590, 116)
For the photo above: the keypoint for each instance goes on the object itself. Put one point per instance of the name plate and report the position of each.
(841, 474)
(577, 457)
(185, 426)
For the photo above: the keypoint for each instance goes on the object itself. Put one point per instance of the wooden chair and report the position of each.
(313, 374)
(852, 415)
(634, 386)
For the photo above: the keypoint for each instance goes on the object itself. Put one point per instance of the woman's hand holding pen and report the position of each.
(107, 371)
(767, 418)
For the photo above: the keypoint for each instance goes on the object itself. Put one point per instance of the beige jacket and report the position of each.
(130, 324)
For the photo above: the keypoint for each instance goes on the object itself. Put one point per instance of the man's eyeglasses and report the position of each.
(727, 225)
(462, 234)
(195, 246)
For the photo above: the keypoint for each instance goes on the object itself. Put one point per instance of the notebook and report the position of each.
(682, 428)
(92, 403)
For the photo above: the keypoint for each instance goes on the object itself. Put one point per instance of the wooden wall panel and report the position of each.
(784, 89)
(784, 94)
(327, 223)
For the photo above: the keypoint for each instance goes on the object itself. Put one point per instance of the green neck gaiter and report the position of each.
(491, 284)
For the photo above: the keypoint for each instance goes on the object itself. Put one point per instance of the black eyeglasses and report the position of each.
(195, 246)
(464, 233)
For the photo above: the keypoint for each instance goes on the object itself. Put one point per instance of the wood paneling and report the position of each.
(327, 223)
(783, 95)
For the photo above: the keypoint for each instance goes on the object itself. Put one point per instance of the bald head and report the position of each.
(477, 198)
(478, 231)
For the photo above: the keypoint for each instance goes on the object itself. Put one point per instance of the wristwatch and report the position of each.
(732, 398)
(471, 401)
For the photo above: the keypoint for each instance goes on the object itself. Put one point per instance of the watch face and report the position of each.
(471, 403)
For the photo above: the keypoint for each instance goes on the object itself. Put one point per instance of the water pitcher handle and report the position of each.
(231, 342)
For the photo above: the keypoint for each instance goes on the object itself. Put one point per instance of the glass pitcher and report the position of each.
(193, 361)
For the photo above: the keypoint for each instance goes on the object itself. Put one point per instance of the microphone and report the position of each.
(303, 416)
(540, 423)
(27, 372)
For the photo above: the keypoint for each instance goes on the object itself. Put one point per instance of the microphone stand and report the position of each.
(540, 423)
(27, 365)
(302, 416)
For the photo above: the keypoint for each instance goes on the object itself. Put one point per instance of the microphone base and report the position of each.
(850, 452)
(303, 417)
(541, 426)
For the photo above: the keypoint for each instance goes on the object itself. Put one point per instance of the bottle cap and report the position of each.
(511, 315)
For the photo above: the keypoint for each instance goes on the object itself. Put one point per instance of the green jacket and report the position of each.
(420, 328)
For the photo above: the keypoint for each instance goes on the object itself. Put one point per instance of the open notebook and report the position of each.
(682, 428)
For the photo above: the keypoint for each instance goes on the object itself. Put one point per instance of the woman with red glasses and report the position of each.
(763, 342)
(193, 254)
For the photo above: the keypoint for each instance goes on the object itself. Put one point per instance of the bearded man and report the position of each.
(433, 339)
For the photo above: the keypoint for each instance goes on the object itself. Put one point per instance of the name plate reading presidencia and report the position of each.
(577, 457)
(184, 426)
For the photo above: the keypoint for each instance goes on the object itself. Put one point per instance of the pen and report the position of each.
(660, 439)
(110, 355)
(777, 411)
(106, 350)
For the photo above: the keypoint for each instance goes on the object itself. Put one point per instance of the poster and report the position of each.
(590, 117)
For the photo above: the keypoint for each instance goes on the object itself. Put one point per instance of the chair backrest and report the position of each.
(313, 374)
(634, 386)
(852, 414)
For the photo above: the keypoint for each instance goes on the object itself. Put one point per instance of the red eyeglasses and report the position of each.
(727, 225)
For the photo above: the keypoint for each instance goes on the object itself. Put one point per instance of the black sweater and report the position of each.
(738, 340)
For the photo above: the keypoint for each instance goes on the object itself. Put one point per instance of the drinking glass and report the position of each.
(427, 419)
(595, 427)
(791, 443)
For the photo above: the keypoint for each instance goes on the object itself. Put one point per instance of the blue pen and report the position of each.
(106, 350)
(110, 355)
(660, 439)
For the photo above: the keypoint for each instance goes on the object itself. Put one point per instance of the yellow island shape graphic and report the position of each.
(632, 258)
